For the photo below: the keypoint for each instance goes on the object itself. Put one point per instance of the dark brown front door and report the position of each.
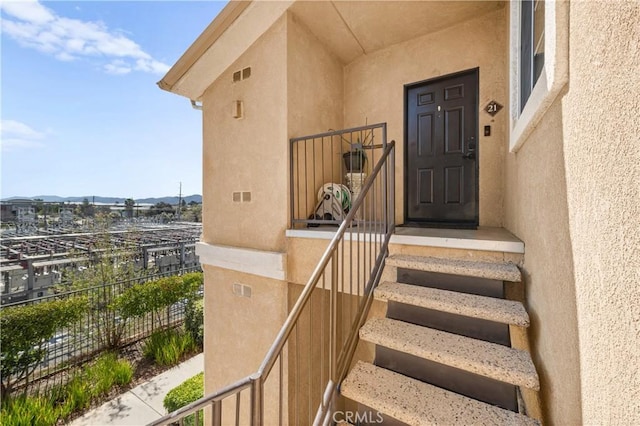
(441, 175)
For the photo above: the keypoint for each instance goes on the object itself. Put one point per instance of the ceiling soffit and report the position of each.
(349, 29)
(353, 28)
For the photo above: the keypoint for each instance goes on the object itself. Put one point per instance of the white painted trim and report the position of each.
(304, 233)
(328, 235)
(555, 73)
(257, 262)
(441, 242)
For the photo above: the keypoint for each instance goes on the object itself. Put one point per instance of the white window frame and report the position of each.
(554, 76)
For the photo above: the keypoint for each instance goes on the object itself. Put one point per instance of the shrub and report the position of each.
(93, 381)
(153, 296)
(193, 280)
(194, 321)
(25, 330)
(107, 372)
(122, 373)
(167, 347)
(184, 394)
(28, 410)
(78, 394)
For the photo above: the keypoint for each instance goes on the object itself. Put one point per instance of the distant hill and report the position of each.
(110, 200)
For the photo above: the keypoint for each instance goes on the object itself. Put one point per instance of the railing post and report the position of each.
(393, 185)
(292, 210)
(216, 413)
(256, 401)
(333, 318)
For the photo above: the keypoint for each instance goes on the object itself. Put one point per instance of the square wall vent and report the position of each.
(242, 74)
(242, 290)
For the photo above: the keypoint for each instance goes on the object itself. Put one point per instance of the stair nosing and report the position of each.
(502, 271)
(487, 359)
(470, 305)
(418, 403)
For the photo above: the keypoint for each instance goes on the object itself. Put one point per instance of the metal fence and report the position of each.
(101, 328)
(328, 170)
(298, 380)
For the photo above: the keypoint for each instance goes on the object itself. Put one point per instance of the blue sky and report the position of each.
(81, 113)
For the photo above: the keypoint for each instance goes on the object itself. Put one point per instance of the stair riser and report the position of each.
(489, 331)
(453, 379)
(459, 283)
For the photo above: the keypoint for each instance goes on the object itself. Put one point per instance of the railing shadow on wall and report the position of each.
(298, 380)
(328, 170)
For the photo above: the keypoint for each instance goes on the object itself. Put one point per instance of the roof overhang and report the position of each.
(231, 33)
(347, 28)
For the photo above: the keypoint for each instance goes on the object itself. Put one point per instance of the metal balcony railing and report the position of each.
(297, 383)
(99, 330)
(327, 172)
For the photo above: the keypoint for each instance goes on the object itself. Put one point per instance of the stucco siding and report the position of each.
(536, 211)
(572, 195)
(374, 93)
(602, 162)
(235, 342)
(248, 154)
(314, 83)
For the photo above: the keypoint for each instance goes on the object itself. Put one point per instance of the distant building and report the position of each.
(19, 209)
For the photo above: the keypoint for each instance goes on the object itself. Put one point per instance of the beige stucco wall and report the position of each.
(572, 197)
(235, 342)
(281, 100)
(248, 154)
(536, 212)
(314, 96)
(314, 83)
(374, 85)
(602, 162)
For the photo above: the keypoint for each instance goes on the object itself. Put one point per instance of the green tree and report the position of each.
(129, 203)
(111, 264)
(86, 209)
(193, 213)
(40, 206)
(160, 208)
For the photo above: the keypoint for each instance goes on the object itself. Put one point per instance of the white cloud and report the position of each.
(117, 67)
(29, 11)
(16, 128)
(35, 26)
(17, 135)
(13, 144)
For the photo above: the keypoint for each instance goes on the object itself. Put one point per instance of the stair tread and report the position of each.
(503, 271)
(487, 359)
(470, 305)
(417, 403)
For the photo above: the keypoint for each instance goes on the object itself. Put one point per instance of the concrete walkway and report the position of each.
(142, 404)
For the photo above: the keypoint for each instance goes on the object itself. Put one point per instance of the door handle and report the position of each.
(469, 156)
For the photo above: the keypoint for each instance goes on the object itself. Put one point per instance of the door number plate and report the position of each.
(493, 107)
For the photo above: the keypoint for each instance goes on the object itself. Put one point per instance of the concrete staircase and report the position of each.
(443, 353)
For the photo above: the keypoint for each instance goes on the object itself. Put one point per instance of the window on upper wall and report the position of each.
(532, 46)
(539, 62)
